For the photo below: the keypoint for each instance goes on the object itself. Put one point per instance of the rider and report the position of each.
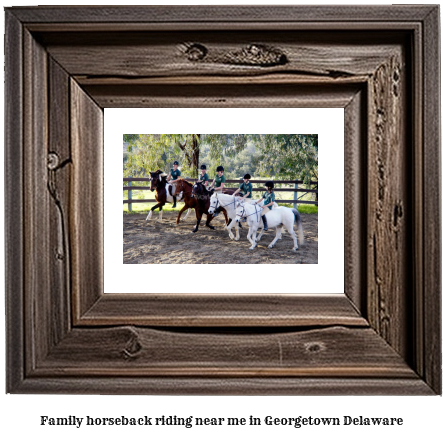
(269, 198)
(174, 173)
(245, 187)
(219, 180)
(204, 177)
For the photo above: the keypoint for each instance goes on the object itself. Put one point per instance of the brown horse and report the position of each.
(199, 203)
(163, 192)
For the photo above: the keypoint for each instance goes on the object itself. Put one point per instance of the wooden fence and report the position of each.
(296, 190)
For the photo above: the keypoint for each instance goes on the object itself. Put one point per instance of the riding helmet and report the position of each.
(247, 176)
(176, 162)
(269, 184)
(203, 167)
(220, 169)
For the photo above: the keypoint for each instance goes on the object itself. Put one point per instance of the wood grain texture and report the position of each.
(37, 306)
(387, 204)
(239, 310)
(166, 54)
(59, 166)
(431, 316)
(225, 96)
(86, 220)
(384, 340)
(222, 14)
(355, 189)
(14, 239)
(129, 351)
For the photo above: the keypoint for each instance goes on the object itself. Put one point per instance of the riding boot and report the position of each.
(175, 201)
(265, 223)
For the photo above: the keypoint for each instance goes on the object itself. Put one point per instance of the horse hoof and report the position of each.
(270, 246)
(251, 247)
(194, 230)
(237, 239)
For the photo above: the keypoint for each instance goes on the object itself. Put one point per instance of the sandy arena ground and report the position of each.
(153, 242)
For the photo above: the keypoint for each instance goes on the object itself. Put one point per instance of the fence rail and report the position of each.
(296, 200)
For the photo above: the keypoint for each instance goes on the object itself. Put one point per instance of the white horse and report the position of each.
(229, 203)
(276, 218)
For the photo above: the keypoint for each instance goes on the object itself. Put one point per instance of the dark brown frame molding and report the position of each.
(65, 64)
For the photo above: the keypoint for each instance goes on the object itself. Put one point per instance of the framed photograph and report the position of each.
(377, 333)
(150, 246)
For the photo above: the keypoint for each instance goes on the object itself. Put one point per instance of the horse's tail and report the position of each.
(297, 218)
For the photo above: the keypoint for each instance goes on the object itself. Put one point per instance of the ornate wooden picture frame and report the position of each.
(64, 65)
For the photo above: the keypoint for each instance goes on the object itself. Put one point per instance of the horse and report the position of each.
(230, 203)
(277, 218)
(198, 201)
(163, 193)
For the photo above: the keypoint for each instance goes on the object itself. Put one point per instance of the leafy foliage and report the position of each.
(279, 156)
(288, 155)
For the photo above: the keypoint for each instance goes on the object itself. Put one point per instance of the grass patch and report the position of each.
(307, 208)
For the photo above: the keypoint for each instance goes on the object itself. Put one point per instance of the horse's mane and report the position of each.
(187, 182)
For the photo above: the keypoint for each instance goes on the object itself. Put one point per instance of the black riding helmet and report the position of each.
(220, 169)
(247, 176)
(176, 162)
(203, 167)
(269, 184)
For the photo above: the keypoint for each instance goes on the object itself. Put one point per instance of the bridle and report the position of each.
(255, 212)
(223, 206)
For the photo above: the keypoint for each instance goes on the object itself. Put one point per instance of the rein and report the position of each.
(255, 212)
(218, 202)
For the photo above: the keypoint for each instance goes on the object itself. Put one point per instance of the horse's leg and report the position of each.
(250, 238)
(289, 225)
(229, 223)
(226, 217)
(152, 209)
(180, 213)
(253, 239)
(199, 218)
(294, 238)
(277, 236)
(209, 218)
(187, 214)
(229, 226)
(237, 231)
(160, 213)
(260, 235)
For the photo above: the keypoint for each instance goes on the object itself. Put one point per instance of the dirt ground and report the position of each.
(153, 242)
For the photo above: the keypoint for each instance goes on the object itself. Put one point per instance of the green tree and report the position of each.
(148, 152)
(153, 151)
(288, 155)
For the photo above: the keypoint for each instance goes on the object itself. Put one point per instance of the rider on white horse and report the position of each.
(276, 218)
(245, 187)
(269, 200)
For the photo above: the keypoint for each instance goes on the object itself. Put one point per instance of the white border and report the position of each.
(327, 122)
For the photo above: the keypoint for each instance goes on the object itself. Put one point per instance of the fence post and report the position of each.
(130, 197)
(295, 194)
